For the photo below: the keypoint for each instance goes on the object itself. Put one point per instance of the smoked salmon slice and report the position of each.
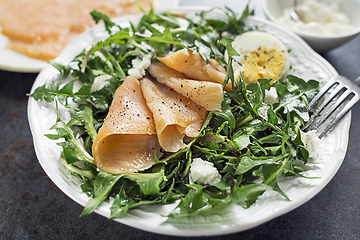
(127, 141)
(175, 116)
(207, 94)
(41, 29)
(194, 66)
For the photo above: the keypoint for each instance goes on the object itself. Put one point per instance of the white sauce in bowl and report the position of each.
(319, 19)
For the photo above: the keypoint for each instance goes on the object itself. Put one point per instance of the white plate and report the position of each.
(306, 64)
(11, 60)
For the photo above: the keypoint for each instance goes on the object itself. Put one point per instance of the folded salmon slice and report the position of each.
(127, 140)
(194, 66)
(175, 116)
(207, 94)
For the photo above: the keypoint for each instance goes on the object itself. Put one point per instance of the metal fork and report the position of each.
(345, 93)
(293, 14)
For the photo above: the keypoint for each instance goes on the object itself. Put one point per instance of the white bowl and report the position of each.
(274, 9)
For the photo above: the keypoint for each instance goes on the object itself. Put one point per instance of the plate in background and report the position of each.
(11, 60)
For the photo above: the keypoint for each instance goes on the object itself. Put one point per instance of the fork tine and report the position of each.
(321, 93)
(352, 94)
(342, 113)
(338, 88)
(333, 108)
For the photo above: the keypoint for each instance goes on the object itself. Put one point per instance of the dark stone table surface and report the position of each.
(32, 207)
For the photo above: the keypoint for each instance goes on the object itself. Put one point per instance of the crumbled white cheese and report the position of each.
(203, 172)
(319, 18)
(100, 82)
(311, 143)
(225, 34)
(139, 66)
(271, 96)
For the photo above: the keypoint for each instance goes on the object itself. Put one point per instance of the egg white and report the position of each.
(248, 42)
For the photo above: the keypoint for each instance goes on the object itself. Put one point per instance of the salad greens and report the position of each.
(251, 143)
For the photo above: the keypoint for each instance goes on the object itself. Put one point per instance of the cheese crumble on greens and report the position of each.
(203, 172)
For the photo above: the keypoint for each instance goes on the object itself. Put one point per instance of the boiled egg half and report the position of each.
(262, 56)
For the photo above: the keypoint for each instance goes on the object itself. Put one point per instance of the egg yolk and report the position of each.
(264, 62)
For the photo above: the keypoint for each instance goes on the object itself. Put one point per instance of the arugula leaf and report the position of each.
(241, 141)
(249, 162)
(71, 150)
(84, 117)
(248, 193)
(82, 174)
(121, 205)
(295, 93)
(97, 16)
(102, 186)
(63, 69)
(149, 183)
(199, 202)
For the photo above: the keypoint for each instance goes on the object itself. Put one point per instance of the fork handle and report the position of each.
(357, 81)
